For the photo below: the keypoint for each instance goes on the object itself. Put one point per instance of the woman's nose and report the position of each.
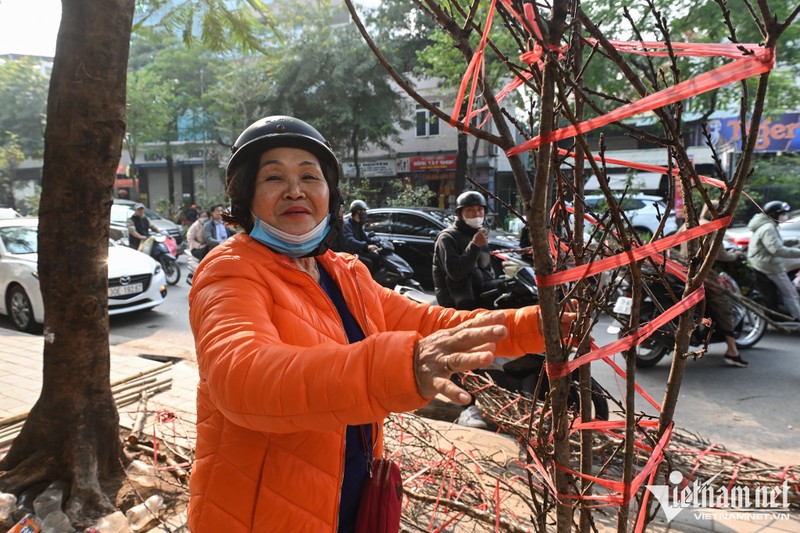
(294, 188)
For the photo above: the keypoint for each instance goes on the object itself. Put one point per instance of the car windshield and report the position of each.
(445, 217)
(19, 240)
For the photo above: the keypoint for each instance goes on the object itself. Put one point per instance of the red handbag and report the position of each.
(382, 497)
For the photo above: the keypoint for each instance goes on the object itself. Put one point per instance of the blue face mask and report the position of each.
(287, 244)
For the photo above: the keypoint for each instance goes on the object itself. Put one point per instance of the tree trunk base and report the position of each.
(68, 447)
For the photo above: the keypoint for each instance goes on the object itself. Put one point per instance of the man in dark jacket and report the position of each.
(462, 270)
(354, 240)
(215, 231)
(139, 226)
(462, 267)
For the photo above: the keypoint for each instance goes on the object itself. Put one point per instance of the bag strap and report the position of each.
(367, 449)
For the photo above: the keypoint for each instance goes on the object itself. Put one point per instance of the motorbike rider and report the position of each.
(139, 226)
(767, 249)
(215, 231)
(462, 270)
(197, 242)
(717, 299)
(354, 239)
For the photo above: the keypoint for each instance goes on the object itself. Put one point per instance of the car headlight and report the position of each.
(158, 269)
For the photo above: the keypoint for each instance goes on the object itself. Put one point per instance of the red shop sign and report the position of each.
(432, 162)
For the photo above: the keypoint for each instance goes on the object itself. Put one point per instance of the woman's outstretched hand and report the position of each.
(468, 346)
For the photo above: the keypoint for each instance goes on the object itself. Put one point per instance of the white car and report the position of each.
(135, 280)
(7, 212)
(644, 211)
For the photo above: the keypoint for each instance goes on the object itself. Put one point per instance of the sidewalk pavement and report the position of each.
(20, 385)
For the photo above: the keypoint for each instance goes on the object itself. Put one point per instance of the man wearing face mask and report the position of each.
(462, 267)
(462, 270)
(195, 237)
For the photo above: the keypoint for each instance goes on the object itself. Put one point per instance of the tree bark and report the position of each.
(72, 432)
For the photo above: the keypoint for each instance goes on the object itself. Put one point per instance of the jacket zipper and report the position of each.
(352, 269)
(366, 329)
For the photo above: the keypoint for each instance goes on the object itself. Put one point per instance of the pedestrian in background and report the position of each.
(302, 355)
(197, 241)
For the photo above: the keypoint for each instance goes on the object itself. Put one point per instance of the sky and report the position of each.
(31, 26)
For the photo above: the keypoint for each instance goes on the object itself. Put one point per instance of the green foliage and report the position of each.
(150, 109)
(29, 205)
(328, 76)
(407, 195)
(23, 104)
(221, 25)
(241, 95)
(351, 191)
(11, 156)
(400, 31)
(697, 22)
(776, 169)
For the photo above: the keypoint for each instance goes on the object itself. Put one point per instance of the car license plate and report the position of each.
(623, 305)
(124, 290)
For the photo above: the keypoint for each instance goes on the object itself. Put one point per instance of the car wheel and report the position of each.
(20, 310)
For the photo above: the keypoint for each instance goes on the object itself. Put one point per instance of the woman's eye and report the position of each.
(311, 177)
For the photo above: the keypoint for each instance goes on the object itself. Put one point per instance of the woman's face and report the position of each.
(291, 193)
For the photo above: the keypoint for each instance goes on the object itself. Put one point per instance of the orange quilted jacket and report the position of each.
(279, 383)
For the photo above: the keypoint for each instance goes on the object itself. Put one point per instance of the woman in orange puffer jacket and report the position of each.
(301, 354)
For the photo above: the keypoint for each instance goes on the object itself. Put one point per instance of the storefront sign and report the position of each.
(776, 134)
(422, 163)
(370, 169)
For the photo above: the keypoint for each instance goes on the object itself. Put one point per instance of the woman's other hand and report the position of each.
(467, 346)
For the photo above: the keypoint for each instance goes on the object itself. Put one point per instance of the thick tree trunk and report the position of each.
(72, 432)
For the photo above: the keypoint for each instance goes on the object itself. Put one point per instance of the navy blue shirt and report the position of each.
(355, 456)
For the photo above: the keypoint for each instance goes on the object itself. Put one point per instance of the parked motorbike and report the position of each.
(749, 327)
(191, 265)
(517, 288)
(392, 269)
(158, 246)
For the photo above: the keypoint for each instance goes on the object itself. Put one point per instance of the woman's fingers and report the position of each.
(453, 392)
(465, 347)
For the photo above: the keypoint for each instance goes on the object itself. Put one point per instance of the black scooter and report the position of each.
(392, 269)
